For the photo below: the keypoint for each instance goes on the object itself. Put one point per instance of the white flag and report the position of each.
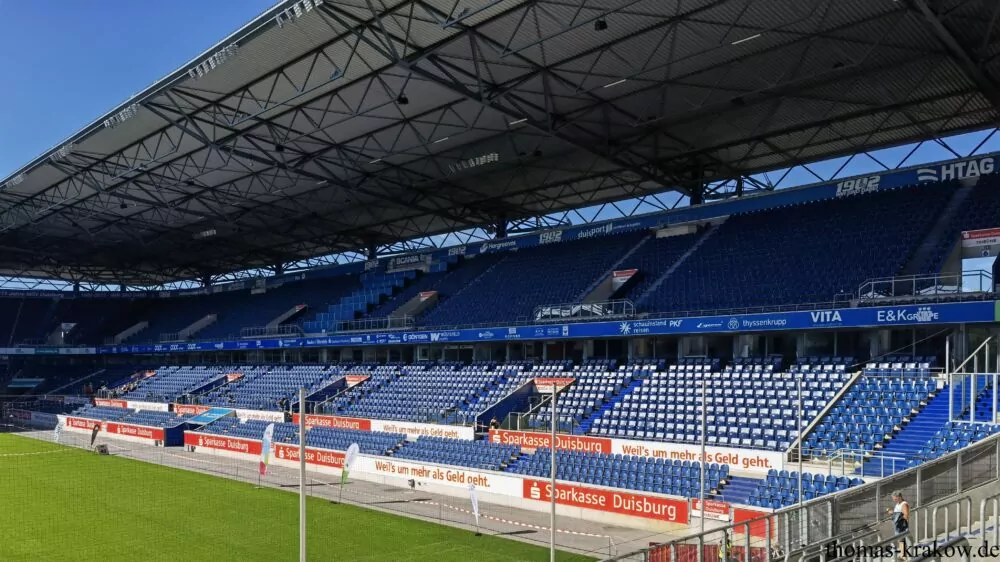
(58, 431)
(475, 502)
(349, 458)
(265, 449)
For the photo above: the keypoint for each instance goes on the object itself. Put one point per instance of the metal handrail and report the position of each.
(950, 284)
(807, 505)
(995, 500)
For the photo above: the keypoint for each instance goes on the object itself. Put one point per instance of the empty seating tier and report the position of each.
(662, 476)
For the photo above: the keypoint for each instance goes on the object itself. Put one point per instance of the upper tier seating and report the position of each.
(425, 395)
(979, 211)
(264, 388)
(662, 476)
(653, 259)
(804, 253)
(597, 382)
(378, 377)
(461, 277)
(511, 376)
(548, 274)
(170, 383)
(749, 406)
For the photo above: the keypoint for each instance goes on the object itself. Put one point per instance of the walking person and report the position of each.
(901, 520)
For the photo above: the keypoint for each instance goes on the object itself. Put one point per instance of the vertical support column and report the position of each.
(798, 434)
(552, 508)
(948, 378)
(302, 475)
(972, 387)
(704, 431)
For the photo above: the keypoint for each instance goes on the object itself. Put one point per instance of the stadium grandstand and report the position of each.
(608, 279)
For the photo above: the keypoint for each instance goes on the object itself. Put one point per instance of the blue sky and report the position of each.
(67, 62)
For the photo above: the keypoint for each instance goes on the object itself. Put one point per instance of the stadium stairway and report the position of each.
(925, 252)
(914, 435)
(513, 466)
(588, 294)
(737, 489)
(584, 427)
(655, 285)
(77, 383)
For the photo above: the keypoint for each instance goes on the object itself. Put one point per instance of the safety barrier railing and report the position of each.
(929, 287)
(818, 521)
(386, 323)
(264, 331)
(855, 459)
(607, 310)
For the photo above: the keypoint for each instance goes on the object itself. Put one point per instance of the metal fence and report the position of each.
(929, 287)
(802, 531)
(575, 311)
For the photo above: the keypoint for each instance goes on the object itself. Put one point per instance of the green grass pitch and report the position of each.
(64, 504)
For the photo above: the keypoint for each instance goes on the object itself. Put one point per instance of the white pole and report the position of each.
(552, 509)
(798, 433)
(972, 386)
(704, 430)
(948, 379)
(302, 475)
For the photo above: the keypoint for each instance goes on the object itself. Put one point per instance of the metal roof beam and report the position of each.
(969, 67)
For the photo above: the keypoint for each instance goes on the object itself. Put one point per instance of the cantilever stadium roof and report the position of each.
(320, 129)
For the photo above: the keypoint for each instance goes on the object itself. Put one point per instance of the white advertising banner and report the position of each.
(746, 460)
(413, 429)
(149, 406)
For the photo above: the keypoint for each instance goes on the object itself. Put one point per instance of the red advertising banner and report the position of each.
(619, 278)
(336, 422)
(985, 237)
(354, 380)
(110, 403)
(332, 459)
(222, 443)
(191, 409)
(151, 433)
(81, 423)
(544, 384)
(534, 440)
(610, 501)
(757, 528)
